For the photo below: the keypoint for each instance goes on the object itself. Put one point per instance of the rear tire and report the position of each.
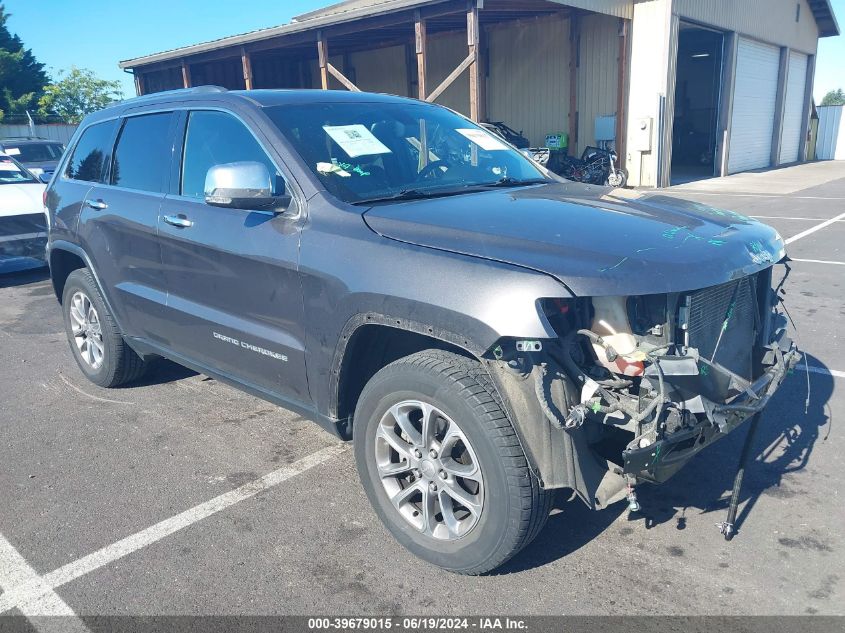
(97, 345)
(483, 504)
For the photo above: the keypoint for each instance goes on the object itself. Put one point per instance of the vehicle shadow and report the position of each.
(160, 372)
(783, 445)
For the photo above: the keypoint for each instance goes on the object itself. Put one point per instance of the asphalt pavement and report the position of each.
(180, 495)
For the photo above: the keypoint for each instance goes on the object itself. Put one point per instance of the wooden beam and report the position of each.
(474, 71)
(451, 78)
(574, 46)
(186, 75)
(421, 43)
(621, 92)
(246, 62)
(341, 78)
(323, 60)
(139, 83)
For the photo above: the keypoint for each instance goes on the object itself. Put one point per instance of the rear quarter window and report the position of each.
(91, 154)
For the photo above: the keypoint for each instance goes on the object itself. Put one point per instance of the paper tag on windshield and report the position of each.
(482, 139)
(9, 166)
(12, 151)
(356, 140)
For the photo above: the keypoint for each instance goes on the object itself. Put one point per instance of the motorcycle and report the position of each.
(597, 166)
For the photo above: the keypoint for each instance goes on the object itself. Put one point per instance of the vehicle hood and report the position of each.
(21, 199)
(595, 240)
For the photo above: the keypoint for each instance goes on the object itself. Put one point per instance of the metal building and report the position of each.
(684, 89)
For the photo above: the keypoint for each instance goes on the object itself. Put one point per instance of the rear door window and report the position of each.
(91, 154)
(143, 152)
(215, 138)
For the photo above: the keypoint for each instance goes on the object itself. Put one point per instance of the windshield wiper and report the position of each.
(411, 194)
(508, 181)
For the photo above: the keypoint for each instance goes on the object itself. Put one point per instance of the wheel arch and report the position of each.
(370, 342)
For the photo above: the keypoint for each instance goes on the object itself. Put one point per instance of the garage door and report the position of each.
(755, 93)
(793, 108)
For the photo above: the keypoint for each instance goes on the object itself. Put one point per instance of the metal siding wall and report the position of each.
(381, 70)
(768, 20)
(598, 75)
(528, 85)
(752, 123)
(445, 52)
(793, 109)
(831, 136)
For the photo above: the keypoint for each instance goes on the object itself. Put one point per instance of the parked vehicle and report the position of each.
(596, 166)
(23, 229)
(39, 155)
(484, 331)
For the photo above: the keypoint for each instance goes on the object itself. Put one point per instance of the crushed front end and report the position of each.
(634, 387)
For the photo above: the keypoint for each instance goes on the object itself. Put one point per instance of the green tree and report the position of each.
(834, 97)
(76, 94)
(22, 77)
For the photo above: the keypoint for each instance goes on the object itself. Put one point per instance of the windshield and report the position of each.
(36, 152)
(12, 172)
(368, 152)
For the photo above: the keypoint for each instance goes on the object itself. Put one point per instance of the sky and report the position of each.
(97, 34)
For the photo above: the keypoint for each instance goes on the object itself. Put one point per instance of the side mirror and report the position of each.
(243, 185)
(45, 178)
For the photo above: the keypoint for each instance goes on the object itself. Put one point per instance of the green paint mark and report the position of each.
(596, 406)
(617, 265)
(703, 370)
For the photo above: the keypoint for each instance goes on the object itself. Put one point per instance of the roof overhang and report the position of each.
(303, 26)
(825, 18)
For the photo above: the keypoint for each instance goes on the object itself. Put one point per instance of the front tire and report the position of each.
(442, 465)
(97, 345)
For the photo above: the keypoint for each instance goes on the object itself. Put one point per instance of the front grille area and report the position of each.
(710, 308)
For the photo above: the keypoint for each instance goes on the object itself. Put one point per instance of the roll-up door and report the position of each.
(755, 94)
(793, 108)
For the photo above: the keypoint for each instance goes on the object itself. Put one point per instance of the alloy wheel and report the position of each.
(86, 329)
(429, 470)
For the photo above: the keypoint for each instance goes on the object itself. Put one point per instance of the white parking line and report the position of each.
(821, 370)
(815, 228)
(817, 261)
(682, 192)
(41, 600)
(777, 217)
(27, 589)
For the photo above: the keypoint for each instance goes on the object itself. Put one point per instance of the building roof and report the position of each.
(350, 10)
(335, 14)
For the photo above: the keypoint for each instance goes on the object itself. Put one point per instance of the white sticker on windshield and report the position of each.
(356, 140)
(9, 166)
(12, 151)
(483, 139)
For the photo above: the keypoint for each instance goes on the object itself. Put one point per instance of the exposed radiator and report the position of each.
(730, 306)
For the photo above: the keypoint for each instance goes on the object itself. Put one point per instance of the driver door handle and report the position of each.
(178, 220)
(99, 205)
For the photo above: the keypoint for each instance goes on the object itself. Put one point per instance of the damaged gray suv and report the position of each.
(485, 332)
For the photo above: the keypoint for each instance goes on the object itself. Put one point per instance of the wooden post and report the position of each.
(323, 60)
(246, 62)
(574, 52)
(421, 44)
(621, 92)
(139, 83)
(474, 71)
(186, 74)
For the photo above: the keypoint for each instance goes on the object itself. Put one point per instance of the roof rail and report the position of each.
(179, 91)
